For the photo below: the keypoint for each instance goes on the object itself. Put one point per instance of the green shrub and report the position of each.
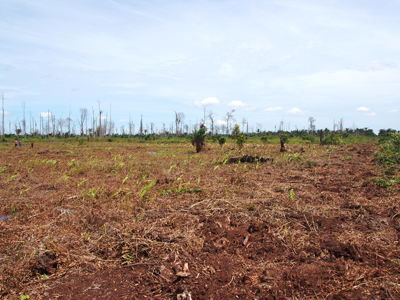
(332, 139)
(221, 141)
(389, 152)
(308, 138)
(236, 132)
(264, 139)
(240, 140)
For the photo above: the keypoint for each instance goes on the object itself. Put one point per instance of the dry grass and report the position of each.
(310, 225)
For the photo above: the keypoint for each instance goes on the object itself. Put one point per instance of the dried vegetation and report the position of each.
(116, 220)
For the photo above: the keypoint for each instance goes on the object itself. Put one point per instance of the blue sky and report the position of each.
(269, 60)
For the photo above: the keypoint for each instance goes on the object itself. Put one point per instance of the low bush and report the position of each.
(332, 139)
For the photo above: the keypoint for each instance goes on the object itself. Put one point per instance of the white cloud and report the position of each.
(296, 112)
(237, 103)
(207, 101)
(221, 122)
(391, 111)
(377, 66)
(371, 114)
(363, 109)
(124, 120)
(278, 108)
(45, 114)
(6, 113)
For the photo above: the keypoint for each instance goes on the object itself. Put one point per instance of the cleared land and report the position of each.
(133, 221)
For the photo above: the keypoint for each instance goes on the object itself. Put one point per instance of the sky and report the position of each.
(270, 61)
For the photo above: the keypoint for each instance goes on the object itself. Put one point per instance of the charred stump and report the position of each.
(283, 146)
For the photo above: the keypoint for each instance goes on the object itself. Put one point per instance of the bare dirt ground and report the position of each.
(118, 221)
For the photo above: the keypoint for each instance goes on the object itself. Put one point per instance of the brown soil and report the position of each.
(81, 227)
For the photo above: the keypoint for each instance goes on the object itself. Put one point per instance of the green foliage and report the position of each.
(294, 157)
(199, 135)
(24, 297)
(110, 140)
(291, 194)
(147, 189)
(81, 141)
(308, 138)
(285, 137)
(236, 132)
(389, 153)
(332, 139)
(148, 137)
(385, 182)
(221, 141)
(264, 139)
(240, 140)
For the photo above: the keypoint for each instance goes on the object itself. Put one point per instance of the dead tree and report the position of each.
(229, 118)
(82, 118)
(179, 117)
(100, 112)
(3, 117)
(211, 117)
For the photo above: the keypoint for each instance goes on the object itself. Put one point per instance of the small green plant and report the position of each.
(236, 131)
(24, 297)
(291, 194)
(294, 157)
(385, 182)
(147, 189)
(310, 164)
(221, 141)
(251, 208)
(264, 139)
(240, 140)
(81, 141)
(199, 137)
(79, 184)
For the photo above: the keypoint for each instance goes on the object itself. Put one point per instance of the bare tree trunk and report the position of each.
(48, 124)
(69, 122)
(23, 106)
(109, 130)
(141, 125)
(100, 120)
(3, 117)
(93, 130)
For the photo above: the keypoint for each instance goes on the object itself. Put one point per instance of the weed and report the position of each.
(79, 184)
(385, 182)
(291, 194)
(147, 189)
(294, 157)
(310, 164)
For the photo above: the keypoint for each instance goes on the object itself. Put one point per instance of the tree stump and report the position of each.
(283, 146)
